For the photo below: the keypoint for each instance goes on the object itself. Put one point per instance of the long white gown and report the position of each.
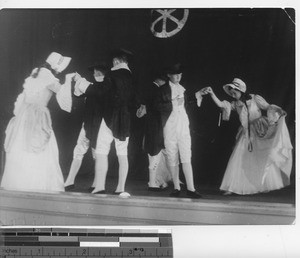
(32, 158)
(268, 166)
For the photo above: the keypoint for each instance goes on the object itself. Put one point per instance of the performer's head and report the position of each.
(57, 62)
(236, 94)
(121, 55)
(99, 70)
(236, 89)
(174, 73)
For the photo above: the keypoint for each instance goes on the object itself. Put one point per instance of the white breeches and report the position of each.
(82, 145)
(177, 138)
(104, 140)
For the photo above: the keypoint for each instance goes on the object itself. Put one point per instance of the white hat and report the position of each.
(237, 84)
(58, 62)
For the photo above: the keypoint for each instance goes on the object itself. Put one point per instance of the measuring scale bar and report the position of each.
(75, 243)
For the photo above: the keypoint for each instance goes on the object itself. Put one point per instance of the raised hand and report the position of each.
(77, 77)
(199, 97)
(70, 76)
(141, 111)
(209, 90)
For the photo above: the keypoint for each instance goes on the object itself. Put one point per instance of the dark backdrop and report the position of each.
(215, 45)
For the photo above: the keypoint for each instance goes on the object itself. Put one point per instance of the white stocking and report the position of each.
(123, 171)
(152, 177)
(175, 176)
(101, 167)
(75, 166)
(188, 174)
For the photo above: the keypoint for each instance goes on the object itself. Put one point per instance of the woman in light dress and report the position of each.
(262, 157)
(32, 159)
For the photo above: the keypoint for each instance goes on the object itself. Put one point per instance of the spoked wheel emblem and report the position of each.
(167, 22)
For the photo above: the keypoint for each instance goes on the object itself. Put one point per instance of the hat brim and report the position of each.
(174, 72)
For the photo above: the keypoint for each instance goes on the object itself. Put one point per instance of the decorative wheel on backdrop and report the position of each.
(167, 22)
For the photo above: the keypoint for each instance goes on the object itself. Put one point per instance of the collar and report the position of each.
(178, 86)
(120, 66)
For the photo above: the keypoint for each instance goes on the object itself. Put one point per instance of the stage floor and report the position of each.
(144, 207)
(138, 187)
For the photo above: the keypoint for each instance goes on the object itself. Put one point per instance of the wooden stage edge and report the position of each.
(82, 209)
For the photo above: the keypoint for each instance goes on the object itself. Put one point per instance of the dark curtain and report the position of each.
(215, 45)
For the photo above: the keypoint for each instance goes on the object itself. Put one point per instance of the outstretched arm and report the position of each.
(83, 86)
(219, 103)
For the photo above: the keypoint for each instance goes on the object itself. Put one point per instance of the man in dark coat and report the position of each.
(170, 102)
(117, 90)
(93, 114)
(94, 106)
(153, 133)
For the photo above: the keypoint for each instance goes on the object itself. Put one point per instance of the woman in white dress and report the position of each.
(32, 162)
(262, 158)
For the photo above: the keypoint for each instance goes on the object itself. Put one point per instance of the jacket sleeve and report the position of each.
(98, 88)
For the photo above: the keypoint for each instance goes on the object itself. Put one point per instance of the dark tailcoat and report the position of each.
(154, 139)
(114, 96)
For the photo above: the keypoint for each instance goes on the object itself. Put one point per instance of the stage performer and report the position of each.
(117, 90)
(262, 157)
(153, 142)
(170, 102)
(93, 114)
(32, 161)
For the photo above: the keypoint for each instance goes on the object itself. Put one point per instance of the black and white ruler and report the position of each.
(85, 243)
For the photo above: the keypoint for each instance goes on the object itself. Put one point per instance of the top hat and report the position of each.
(236, 84)
(102, 66)
(58, 62)
(174, 69)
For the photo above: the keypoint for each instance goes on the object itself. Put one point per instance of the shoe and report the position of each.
(91, 189)
(117, 193)
(100, 192)
(182, 186)
(155, 189)
(175, 193)
(122, 194)
(164, 185)
(193, 194)
(69, 187)
(227, 193)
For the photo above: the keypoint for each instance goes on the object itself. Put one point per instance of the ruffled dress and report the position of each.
(32, 158)
(262, 157)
